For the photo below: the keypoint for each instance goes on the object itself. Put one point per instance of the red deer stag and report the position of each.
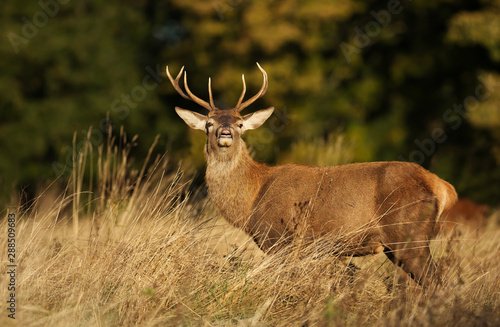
(377, 206)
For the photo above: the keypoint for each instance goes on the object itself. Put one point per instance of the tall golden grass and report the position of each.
(333, 150)
(142, 248)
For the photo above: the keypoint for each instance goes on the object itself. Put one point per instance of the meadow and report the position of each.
(122, 247)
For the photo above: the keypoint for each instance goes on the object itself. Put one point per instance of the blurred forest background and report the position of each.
(379, 80)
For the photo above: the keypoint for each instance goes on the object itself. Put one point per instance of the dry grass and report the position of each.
(333, 150)
(146, 252)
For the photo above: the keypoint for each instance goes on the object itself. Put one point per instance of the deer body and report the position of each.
(367, 207)
(376, 204)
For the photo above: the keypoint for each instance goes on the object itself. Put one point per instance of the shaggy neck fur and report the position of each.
(234, 184)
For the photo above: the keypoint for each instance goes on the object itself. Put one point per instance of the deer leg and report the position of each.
(417, 262)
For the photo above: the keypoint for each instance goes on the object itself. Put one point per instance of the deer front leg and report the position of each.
(417, 262)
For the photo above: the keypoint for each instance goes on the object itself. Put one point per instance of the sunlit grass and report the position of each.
(333, 150)
(148, 252)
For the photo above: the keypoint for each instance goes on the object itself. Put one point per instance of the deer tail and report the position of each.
(446, 196)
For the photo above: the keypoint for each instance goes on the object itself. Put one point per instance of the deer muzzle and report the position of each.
(224, 137)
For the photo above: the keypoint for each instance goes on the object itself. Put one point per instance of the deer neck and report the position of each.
(234, 183)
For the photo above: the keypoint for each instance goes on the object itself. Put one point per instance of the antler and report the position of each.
(240, 106)
(190, 95)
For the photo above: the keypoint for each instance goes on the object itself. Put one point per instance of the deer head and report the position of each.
(223, 127)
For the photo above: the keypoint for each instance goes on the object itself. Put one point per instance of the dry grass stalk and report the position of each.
(147, 254)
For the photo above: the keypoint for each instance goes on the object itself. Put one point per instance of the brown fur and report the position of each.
(365, 207)
(465, 215)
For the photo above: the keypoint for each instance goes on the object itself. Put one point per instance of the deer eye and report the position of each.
(209, 124)
(240, 125)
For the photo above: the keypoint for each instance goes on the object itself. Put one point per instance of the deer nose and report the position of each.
(225, 138)
(225, 131)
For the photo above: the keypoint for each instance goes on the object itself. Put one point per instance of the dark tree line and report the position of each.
(402, 80)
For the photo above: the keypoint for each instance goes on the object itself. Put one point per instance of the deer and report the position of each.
(391, 207)
(466, 216)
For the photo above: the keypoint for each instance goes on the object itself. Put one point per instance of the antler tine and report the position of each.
(210, 93)
(194, 98)
(240, 106)
(191, 96)
(242, 92)
(175, 83)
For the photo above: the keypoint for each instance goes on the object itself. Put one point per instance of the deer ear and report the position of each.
(256, 119)
(192, 119)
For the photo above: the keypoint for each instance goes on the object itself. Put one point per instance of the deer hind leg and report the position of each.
(406, 239)
(416, 260)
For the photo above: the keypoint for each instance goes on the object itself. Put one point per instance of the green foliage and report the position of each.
(64, 77)
(384, 72)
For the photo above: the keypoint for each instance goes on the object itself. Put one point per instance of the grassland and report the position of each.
(143, 248)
